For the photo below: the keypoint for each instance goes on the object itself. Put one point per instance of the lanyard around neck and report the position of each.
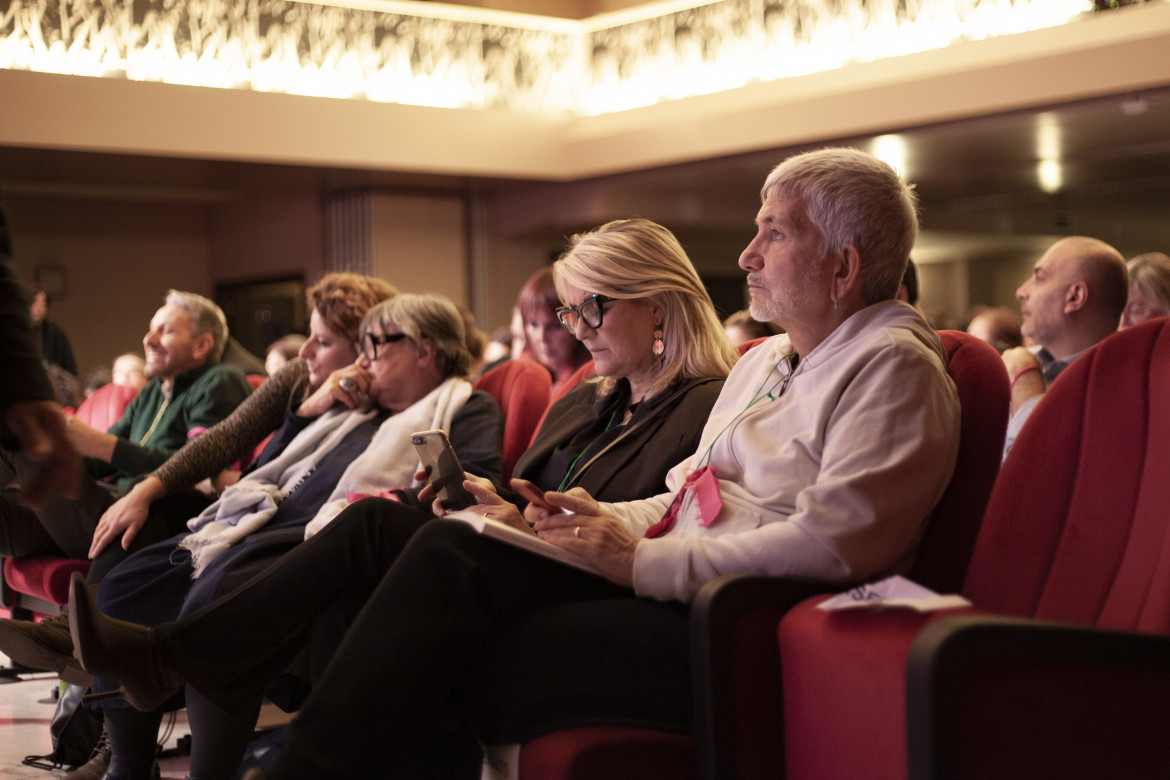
(573, 465)
(789, 362)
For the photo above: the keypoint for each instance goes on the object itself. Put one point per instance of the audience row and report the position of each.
(820, 453)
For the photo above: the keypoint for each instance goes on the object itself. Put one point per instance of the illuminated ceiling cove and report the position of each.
(452, 57)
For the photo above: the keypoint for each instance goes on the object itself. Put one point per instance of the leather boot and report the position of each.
(122, 651)
(99, 761)
(46, 645)
(121, 769)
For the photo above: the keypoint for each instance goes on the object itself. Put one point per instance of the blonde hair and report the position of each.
(1150, 273)
(639, 259)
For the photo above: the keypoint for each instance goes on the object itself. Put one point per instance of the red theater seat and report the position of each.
(1061, 669)
(522, 389)
(105, 406)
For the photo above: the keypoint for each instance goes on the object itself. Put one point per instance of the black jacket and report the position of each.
(661, 433)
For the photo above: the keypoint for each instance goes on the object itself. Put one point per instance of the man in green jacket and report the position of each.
(188, 392)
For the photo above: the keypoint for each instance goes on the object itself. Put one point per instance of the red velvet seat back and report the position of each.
(831, 691)
(105, 406)
(44, 577)
(982, 384)
(522, 388)
(1076, 529)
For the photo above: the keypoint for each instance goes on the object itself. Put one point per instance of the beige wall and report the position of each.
(420, 244)
(267, 238)
(511, 262)
(118, 260)
(120, 257)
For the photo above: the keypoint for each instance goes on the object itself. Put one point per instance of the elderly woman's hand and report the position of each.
(596, 536)
(490, 505)
(428, 491)
(348, 386)
(126, 516)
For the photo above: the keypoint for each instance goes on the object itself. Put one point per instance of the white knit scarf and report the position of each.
(388, 462)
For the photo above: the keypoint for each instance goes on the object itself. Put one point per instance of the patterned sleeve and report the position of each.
(238, 434)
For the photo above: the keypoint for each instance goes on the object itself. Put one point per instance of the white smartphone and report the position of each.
(442, 467)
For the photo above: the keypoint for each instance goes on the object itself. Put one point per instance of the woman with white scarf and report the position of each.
(412, 361)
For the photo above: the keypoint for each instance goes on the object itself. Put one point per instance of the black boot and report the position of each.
(99, 761)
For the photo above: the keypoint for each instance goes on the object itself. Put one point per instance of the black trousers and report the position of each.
(64, 526)
(446, 630)
(61, 526)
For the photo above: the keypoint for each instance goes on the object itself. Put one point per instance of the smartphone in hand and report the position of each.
(442, 467)
(534, 494)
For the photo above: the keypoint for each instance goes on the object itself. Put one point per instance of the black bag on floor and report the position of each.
(75, 731)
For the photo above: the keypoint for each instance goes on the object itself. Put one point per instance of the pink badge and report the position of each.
(352, 496)
(705, 483)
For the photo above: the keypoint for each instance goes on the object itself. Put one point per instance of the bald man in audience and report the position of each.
(1072, 300)
(999, 326)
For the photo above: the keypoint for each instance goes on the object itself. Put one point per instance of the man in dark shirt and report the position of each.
(187, 393)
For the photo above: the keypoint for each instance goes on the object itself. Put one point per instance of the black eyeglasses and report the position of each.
(370, 343)
(589, 311)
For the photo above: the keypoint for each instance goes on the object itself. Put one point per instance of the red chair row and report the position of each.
(1061, 668)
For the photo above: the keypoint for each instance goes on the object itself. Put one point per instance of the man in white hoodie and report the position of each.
(822, 457)
(829, 443)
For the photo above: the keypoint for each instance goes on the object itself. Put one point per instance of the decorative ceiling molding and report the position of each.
(440, 56)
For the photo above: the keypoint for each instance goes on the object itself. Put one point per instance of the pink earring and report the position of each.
(658, 347)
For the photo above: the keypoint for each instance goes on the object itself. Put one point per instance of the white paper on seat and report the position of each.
(892, 592)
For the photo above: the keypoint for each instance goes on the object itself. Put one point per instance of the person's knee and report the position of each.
(446, 534)
(380, 522)
(21, 532)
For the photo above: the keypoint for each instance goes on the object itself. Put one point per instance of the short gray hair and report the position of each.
(429, 317)
(855, 199)
(205, 316)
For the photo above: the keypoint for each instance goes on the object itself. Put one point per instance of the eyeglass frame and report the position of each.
(1140, 310)
(564, 311)
(376, 341)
